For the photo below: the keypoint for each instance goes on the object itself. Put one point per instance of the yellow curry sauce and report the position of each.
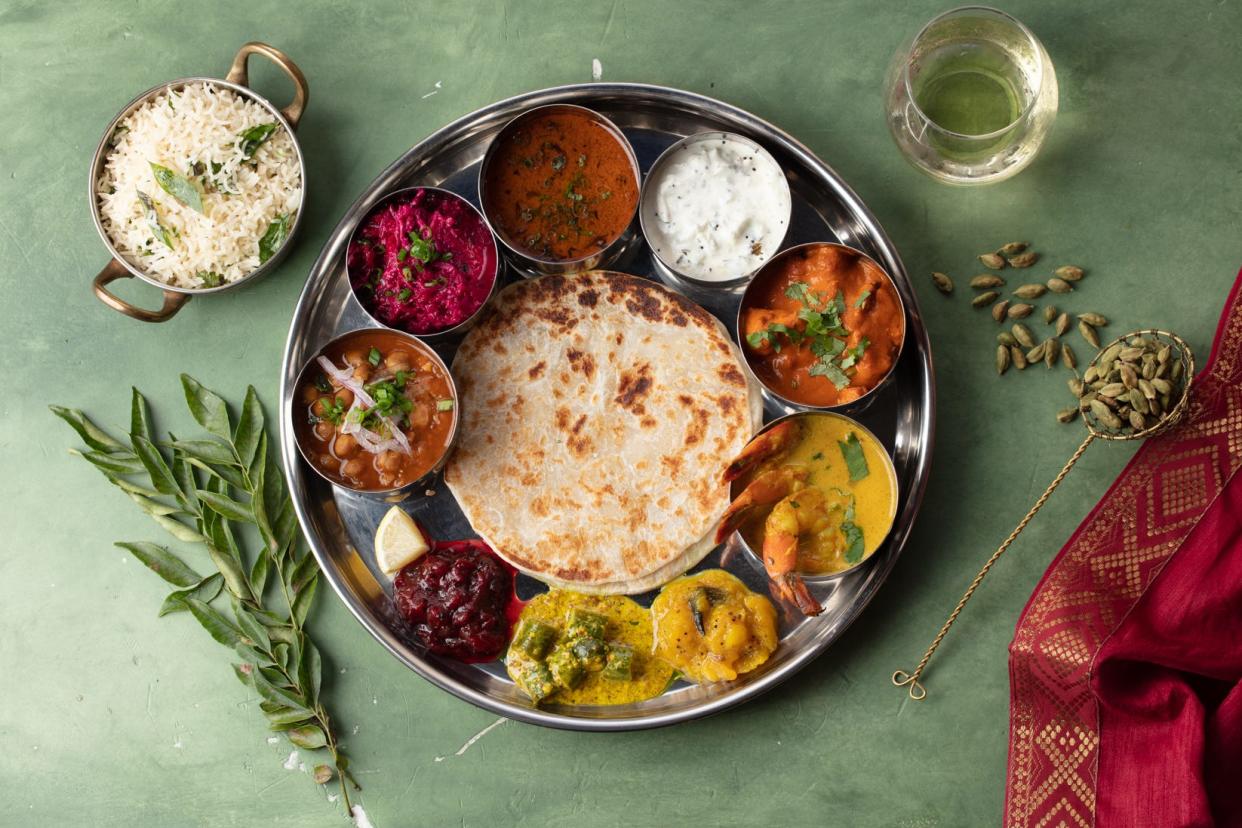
(711, 627)
(626, 627)
(874, 495)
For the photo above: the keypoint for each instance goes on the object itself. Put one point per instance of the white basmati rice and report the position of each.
(195, 131)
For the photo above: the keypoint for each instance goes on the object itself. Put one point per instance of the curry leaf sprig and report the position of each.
(203, 491)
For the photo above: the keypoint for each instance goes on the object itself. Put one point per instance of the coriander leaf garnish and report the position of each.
(832, 372)
(179, 187)
(422, 248)
(275, 236)
(854, 545)
(253, 138)
(374, 356)
(855, 460)
(199, 490)
(153, 220)
(821, 328)
(210, 278)
(862, 298)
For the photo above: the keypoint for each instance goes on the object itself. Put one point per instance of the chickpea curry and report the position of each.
(561, 185)
(822, 325)
(380, 411)
(712, 628)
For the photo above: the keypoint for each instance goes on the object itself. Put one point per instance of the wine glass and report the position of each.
(971, 97)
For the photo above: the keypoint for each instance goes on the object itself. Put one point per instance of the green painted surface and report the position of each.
(112, 717)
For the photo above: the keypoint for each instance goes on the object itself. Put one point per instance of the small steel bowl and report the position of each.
(667, 270)
(889, 469)
(451, 333)
(397, 493)
(780, 402)
(624, 244)
(237, 79)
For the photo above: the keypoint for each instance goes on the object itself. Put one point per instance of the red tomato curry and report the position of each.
(560, 186)
(822, 325)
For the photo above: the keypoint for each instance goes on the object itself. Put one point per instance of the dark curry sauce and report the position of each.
(561, 185)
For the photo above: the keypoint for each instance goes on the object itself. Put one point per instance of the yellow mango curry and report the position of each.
(815, 494)
(585, 649)
(712, 628)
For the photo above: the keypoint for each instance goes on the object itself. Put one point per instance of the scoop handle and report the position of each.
(113, 270)
(238, 73)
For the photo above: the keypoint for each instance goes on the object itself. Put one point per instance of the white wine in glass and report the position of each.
(971, 97)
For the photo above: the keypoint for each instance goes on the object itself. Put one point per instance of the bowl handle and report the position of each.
(114, 270)
(239, 74)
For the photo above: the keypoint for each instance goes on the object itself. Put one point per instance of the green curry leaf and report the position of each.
(255, 137)
(153, 220)
(275, 236)
(179, 187)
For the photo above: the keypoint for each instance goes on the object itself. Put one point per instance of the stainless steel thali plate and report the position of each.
(340, 525)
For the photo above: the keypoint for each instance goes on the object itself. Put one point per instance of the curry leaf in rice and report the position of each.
(275, 236)
(179, 187)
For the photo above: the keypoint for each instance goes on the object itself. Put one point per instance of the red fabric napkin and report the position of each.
(1126, 665)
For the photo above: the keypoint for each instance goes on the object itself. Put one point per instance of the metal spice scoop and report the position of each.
(1137, 386)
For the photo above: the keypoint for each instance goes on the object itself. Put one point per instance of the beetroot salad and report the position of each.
(422, 262)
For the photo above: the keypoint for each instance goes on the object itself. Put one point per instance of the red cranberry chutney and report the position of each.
(460, 600)
(423, 261)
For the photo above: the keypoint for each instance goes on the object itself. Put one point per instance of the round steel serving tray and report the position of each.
(340, 525)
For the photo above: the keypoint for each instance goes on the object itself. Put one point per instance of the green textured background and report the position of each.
(109, 716)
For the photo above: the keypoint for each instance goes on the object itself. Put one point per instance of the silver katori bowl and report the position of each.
(454, 332)
(393, 494)
(781, 402)
(530, 266)
(664, 264)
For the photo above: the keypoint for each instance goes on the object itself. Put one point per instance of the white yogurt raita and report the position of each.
(715, 207)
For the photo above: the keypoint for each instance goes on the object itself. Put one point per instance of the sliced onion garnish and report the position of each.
(369, 440)
(345, 377)
(398, 437)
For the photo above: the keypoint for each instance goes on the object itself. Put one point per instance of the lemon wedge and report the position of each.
(398, 543)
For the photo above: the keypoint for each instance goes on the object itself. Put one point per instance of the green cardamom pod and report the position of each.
(1020, 310)
(1068, 357)
(992, 260)
(943, 283)
(1069, 273)
(984, 299)
(1052, 351)
(1059, 285)
(1032, 291)
(1024, 259)
(986, 280)
(1089, 334)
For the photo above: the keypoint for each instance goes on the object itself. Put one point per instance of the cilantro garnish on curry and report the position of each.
(822, 325)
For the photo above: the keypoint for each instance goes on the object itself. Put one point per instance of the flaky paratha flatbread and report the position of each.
(598, 412)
